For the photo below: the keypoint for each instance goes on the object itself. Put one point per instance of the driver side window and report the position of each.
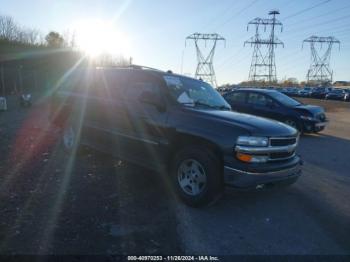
(236, 97)
(259, 100)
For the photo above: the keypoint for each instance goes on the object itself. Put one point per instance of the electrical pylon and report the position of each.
(263, 65)
(320, 71)
(205, 68)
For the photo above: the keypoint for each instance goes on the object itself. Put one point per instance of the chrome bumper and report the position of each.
(244, 179)
(321, 124)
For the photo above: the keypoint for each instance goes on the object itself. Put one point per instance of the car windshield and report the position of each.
(285, 100)
(192, 92)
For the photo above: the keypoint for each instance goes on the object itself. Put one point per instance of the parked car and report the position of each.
(291, 91)
(175, 124)
(320, 92)
(348, 92)
(25, 99)
(338, 94)
(305, 92)
(275, 105)
(280, 89)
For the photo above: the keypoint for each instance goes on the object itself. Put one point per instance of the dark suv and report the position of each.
(275, 105)
(175, 124)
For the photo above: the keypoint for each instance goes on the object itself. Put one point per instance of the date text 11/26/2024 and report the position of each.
(173, 258)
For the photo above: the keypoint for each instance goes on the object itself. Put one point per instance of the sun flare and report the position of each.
(99, 37)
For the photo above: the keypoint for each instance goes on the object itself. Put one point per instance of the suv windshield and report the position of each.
(284, 100)
(191, 92)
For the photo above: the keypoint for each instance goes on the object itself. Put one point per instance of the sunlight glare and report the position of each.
(99, 37)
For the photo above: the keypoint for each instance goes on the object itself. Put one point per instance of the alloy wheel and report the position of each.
(191, 177)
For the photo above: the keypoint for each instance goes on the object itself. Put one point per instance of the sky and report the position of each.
(155, 30)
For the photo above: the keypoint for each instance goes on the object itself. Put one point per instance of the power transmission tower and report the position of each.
(205, 68)
(320, 71)
(263, 66)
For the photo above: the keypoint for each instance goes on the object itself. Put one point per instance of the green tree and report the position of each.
(54, 39)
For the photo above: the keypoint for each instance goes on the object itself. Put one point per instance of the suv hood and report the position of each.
(258, 126)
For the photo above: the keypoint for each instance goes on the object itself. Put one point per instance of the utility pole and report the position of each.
(263, 65)
(3, 80)
(20, 77)
(320, 71)
(205, 68)
(3, 104)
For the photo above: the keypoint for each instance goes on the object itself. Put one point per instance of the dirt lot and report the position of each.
(92, 204)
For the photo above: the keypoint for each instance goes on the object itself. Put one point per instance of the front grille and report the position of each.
(283, 141)
(279, 149)
(281, 155)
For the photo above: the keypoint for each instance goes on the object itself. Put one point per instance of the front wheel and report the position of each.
(197, 177)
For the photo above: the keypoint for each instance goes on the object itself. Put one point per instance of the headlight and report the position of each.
(252, 158)
(252, 141)
(307, 118)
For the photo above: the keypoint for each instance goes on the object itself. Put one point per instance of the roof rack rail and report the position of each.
(132, 66)
(143, 67)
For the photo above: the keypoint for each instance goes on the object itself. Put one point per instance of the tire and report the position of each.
(295, 124)
(196, 175)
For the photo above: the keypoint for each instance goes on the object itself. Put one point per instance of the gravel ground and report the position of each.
(51, 203)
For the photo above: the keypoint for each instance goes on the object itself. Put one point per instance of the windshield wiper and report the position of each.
(198, 103)
(223, 107)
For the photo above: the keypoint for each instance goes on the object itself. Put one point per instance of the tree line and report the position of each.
(30, 59)
(14, 33)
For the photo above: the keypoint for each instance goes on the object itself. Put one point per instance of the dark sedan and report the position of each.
(320, 92)
(291, 91)
(275, 105)
(338, 94)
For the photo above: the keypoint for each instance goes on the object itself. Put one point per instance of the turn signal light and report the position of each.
(244, 157)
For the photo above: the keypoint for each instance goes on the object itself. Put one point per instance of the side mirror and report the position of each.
(151, 98)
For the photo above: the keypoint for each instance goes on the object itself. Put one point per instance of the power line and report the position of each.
(305, 10)
(328, 21)
(237, 13)
(321, 15)
(299, 31)
(220, 14)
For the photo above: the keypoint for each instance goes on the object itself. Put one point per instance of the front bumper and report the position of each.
(245, 179)
(335, 97)
(314, 126)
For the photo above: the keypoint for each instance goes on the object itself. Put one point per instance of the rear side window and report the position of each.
(77, 81)
(139, 83)
(258, 99)
(108, 83)
(236, 97)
